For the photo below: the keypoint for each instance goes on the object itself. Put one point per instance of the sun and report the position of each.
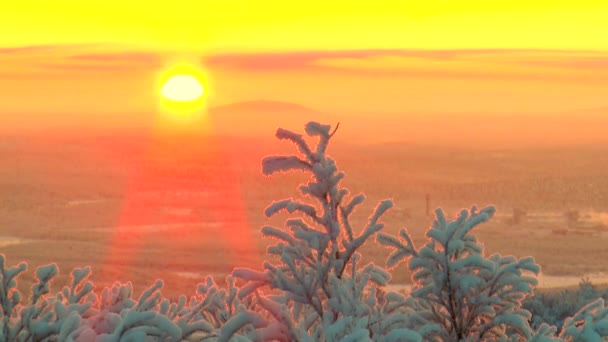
(183, 90)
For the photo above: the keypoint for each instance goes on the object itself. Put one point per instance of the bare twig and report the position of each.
(335, 129)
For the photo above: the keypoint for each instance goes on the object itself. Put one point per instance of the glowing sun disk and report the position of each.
(182, 88)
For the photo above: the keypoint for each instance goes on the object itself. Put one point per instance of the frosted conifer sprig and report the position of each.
(317, 249)
(455, 286)
(9, 297)
(589, 324)
(44, 274)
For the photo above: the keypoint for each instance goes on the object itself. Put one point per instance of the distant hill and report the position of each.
(263, 105)
(261, 118)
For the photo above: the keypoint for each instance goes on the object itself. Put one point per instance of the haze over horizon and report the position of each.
(259, 119)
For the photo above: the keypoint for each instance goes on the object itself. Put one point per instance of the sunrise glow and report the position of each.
(483, 58)
(178, 94)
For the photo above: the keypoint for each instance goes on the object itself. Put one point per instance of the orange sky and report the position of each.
(65, 63)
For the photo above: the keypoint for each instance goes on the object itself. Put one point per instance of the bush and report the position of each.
(468, 296)
(554, 307)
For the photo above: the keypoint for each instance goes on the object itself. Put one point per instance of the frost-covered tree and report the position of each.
(324, 292)
(471, 297)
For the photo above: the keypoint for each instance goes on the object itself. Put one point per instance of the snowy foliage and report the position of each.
(78, 314)
(554, 307)
(324, 292)
(589, 324)
(314, 285)
(469, 296)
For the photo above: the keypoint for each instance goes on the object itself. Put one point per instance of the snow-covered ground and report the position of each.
(551, 281)
(545, 280)
(10, 240)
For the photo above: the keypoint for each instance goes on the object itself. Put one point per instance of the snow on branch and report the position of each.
(297, 139)
(271, 165)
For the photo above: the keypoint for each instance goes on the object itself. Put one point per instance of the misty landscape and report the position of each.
(189, 197)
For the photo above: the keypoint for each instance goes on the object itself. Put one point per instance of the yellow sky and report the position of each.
(209, 25)
(97, 62)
